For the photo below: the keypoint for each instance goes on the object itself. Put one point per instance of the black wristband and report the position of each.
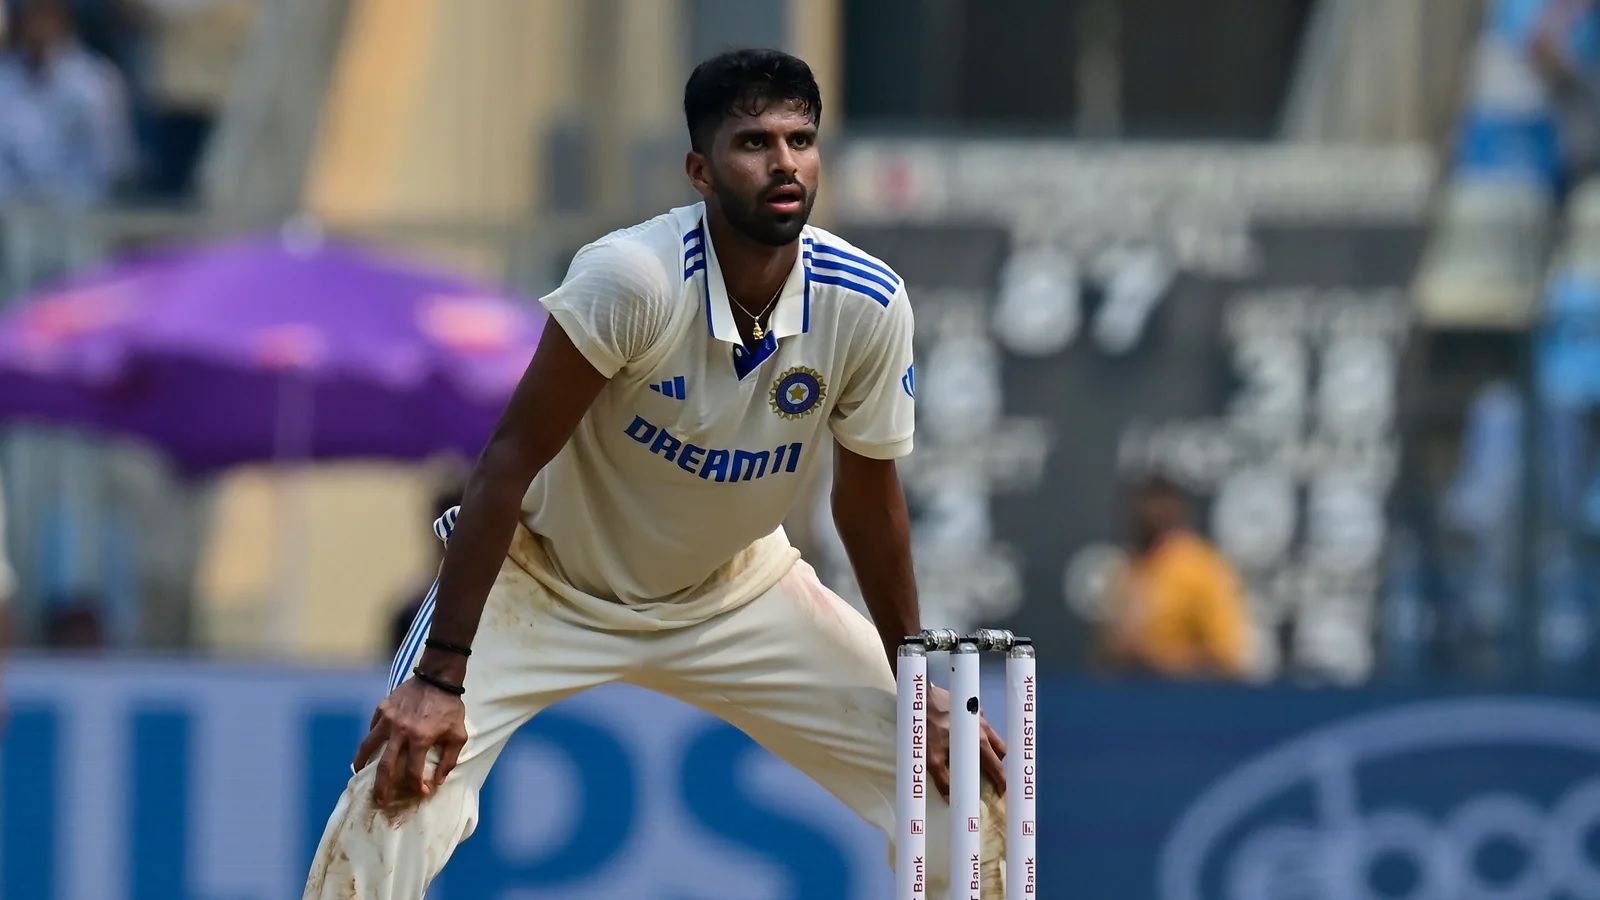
(447, 646)
(438, 682)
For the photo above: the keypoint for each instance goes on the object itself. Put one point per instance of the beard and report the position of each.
(751, 217)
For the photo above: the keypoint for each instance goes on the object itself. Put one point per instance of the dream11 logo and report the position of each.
(1467, 799)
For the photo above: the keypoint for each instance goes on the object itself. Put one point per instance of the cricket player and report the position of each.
(624, 521)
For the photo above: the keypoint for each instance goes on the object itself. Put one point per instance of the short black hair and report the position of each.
(1160, 487)
(744, 81)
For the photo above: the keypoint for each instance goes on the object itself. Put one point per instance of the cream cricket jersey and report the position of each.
(693, 453)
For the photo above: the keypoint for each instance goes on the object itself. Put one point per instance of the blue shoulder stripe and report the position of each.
(851, 284)
(694, 253)
(857, 272)
(873, 264)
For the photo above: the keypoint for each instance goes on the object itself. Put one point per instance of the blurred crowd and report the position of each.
(1512, 274)
(112, 99)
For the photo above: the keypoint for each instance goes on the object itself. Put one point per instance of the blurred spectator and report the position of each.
(76, 625)
(66, 137)
(1572, 78)
(193, 51)
(1178, 611)
(406, 612)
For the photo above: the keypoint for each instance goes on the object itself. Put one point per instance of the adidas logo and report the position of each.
(672, 388)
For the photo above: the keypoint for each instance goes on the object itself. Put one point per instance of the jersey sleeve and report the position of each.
(876, 412)
(614, 303)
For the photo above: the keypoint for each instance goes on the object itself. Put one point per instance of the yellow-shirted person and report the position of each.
(1178, 611)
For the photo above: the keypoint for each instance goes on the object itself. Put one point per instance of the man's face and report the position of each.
(761, 169)
(39, 31)
(1153, 517)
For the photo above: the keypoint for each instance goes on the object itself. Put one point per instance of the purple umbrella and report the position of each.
(262, 349)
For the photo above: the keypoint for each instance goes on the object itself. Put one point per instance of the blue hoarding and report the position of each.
(125, 781)
(136, 781)
(1295, 794)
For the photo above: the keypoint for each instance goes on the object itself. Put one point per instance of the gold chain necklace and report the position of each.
(756, 330)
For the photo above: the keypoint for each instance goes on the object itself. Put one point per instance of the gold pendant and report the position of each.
(756, 331)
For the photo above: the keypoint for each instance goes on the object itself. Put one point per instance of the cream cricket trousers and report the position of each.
(797, 669)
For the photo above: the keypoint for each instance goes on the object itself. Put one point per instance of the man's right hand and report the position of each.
(413, 720)
(555, 393)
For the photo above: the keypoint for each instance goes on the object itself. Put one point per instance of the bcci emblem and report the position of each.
(797, 392)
